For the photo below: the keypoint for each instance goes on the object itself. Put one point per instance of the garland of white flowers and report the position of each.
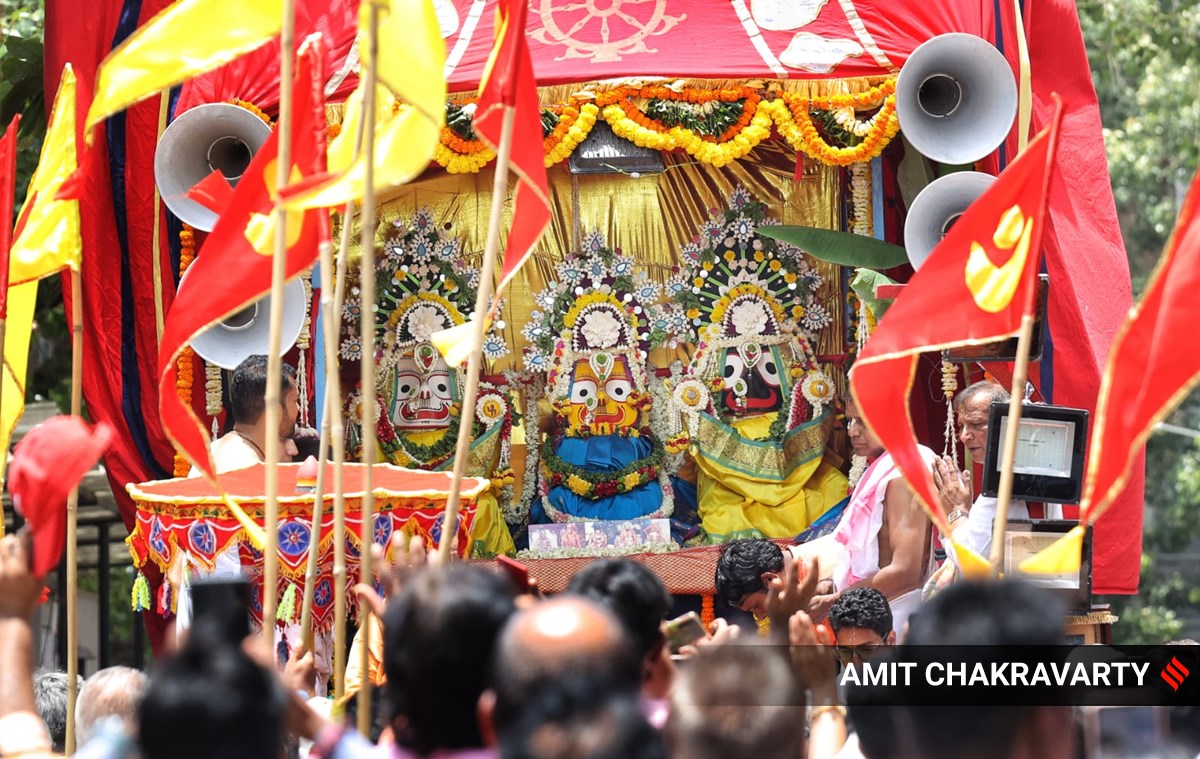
(861, 224)
(302, 344)
(949, 386)
(858, 467)
(665, 416)
(847, 119)
(529, 387)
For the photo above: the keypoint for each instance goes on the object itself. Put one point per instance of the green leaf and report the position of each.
(864, 283)
(841, 248)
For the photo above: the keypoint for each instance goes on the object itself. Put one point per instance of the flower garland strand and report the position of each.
(713, 126)
(949, 386)
(186, 363)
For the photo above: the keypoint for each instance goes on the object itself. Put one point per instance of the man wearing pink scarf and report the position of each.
(884, 537)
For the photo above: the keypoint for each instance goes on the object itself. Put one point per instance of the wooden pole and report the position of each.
(274, 406)
(73, 514)
(1004, 494)
(338, 436)
(328, 409)
(367, 288)
(484, 294)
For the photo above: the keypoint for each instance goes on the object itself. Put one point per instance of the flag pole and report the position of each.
(339, 492)
(328, 410)
(482, 296)
(274, 407)
(73, 514)
(369, 408)
(1004, 492)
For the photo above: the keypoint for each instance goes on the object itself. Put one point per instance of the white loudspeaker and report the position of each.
(208, 138)
(246, 333)
(956, 98)
(936, 209)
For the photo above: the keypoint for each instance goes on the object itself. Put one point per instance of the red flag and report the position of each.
(8, 181)
(1148, 372)
(233, 267)
(508, 82)
(973, 288)
(213, 192)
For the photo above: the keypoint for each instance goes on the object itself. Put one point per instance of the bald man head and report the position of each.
(559, 636)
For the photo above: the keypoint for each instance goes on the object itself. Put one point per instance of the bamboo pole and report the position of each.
(270, 591)
(329, 329)
(482, 296)
(339, 498)
(367, 288)
(1004, 494)
(73, 514)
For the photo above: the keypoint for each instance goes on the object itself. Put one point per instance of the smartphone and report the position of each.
(516, 571)
(221, 608)
(683, 631)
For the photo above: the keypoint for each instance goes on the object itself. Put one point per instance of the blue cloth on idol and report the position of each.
(605, 453)
(825, 524)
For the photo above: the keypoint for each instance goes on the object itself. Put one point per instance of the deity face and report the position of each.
(752, 388)
(601, 405)
(424, 391)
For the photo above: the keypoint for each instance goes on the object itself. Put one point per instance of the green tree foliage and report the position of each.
(1145, 59)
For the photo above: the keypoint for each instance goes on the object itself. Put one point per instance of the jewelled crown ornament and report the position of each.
(592, 334)
(753, 398)
(751, 304)
(423, 285)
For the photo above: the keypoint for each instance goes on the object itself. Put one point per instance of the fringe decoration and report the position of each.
(139, 597)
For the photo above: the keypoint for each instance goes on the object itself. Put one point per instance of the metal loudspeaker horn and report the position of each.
(215, 137)
(246, 333)
(936, 209)
(956, 98)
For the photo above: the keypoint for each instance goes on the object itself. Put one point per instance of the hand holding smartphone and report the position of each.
(683, 631)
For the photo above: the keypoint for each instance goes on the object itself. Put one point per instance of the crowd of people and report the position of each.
(464, 663)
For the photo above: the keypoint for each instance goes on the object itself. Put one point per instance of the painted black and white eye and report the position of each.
(407, 384)
(768, 371)
(618, 389)
(734, 369)
(583, 391)
(439, 385)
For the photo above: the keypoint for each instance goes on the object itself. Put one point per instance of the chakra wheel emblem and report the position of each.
(604, 30)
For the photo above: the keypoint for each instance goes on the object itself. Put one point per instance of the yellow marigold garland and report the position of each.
(186, 363)
(252, 108)
(623, 109)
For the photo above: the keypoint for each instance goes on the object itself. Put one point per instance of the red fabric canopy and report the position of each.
(738, 40)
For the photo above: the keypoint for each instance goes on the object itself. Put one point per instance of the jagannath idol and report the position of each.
(592, 334)
(753, 399)
(424, 285)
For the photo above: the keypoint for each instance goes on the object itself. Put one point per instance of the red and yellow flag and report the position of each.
(974, 288)
(509, 90)
(1148, 373)
(508, 83)
(233, 268)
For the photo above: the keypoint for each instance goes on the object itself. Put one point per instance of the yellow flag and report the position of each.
(47, 241)
(412, 56)
(1063, 556)
(47, 237)
(185, 40)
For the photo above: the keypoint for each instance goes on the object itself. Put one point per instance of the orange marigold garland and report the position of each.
(186, 363)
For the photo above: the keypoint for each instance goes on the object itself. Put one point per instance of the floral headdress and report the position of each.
(745, 292)
(599, 309)
(422, 285)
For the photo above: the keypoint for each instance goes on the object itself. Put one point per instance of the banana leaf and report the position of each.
(864, 283)
(842, 248)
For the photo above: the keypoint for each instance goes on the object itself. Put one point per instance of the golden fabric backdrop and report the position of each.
(651, 217)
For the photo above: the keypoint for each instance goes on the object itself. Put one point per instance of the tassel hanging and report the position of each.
(139, 597)
(949, 386)
(708, 614)
(286, 611)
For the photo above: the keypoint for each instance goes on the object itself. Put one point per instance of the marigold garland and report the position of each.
(252, 108)
(626, 111)
(185, 364)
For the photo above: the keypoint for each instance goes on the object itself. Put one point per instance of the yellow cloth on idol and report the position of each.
(735, 501)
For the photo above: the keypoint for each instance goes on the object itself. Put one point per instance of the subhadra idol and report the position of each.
(592, 333)
(424, 285)
(755, 403)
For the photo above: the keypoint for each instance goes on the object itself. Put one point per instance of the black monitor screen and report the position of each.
(1048, 467)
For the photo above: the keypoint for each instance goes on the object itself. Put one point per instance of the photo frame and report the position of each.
(1050, 450)
(1025, 537)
